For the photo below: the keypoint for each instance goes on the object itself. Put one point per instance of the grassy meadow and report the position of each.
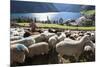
(41, 25)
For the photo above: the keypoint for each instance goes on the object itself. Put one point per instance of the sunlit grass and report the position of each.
(41, 25)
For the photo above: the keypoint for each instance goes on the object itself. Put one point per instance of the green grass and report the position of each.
(59, 26)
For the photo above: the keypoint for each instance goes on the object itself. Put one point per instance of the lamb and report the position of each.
(38, 49)
(18, 52)
(26, 41)
(73, 48)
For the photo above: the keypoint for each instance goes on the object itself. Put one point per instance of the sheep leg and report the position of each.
(60, 58)
(76, 57)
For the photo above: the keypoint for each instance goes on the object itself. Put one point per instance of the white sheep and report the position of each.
(47, 35)
(62, 37)
(53, 41)
(68, 33)
(15, 33)
(18, 52)
(92, 38)
(12, 38)
(38, 49)
(68, 39)
(78, 38)
(21, 32)
(26, 41)
(74, 36)
(73, 48)
(89, 46)
(39, 38)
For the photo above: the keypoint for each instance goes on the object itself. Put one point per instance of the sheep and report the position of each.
(81, 34)
(89, 51)
(88, 33)
(74, 36)
(47, 35)
(12, 38)
(26, 41)
(68, 39)
(38, 49)
(21, 32)
(39, 38)
(89, 46)
(73, 48)
(78, 38)
(18, 52)
(67, 33)
(27, 34)
(62, 37)
(15, 33)
(51, 30)
(92, 38)
(53, 41)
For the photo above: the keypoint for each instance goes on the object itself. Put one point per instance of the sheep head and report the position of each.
(22, 48)
(89, 46)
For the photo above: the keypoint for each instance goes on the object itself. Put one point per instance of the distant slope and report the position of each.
(88, 12)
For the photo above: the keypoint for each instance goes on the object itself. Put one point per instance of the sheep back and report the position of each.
(38, 48)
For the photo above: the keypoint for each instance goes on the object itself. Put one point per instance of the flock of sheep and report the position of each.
(64, 43)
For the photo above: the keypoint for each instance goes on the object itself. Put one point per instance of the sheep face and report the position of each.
(89, 46)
